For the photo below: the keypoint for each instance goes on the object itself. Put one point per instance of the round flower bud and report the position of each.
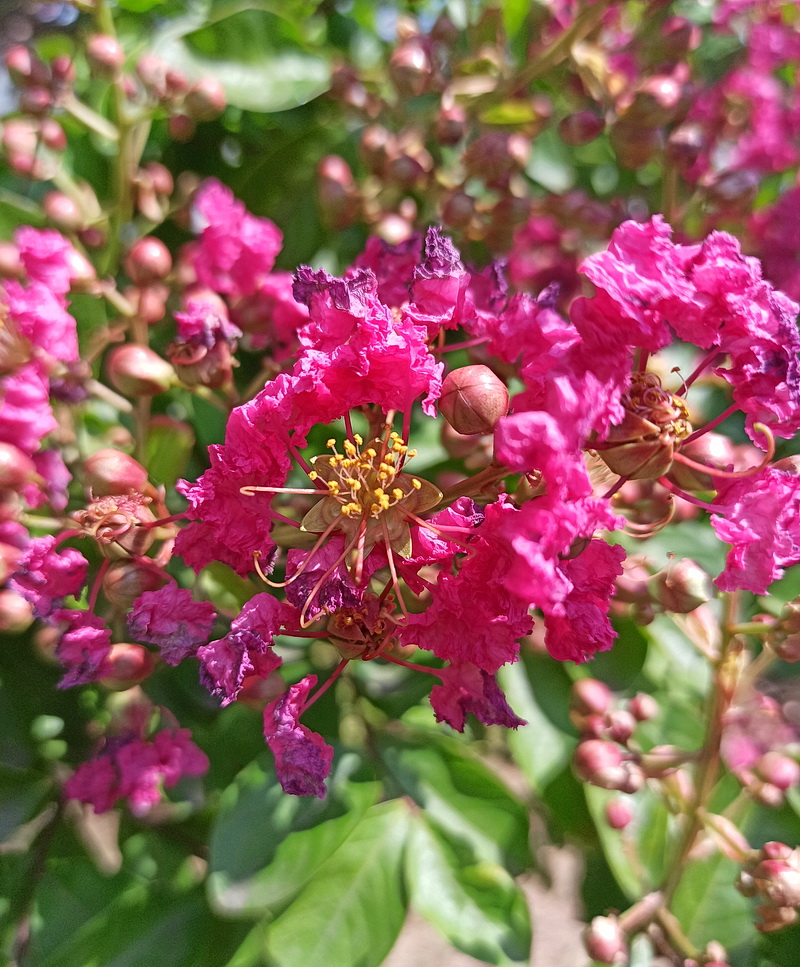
(600, 763)
(473, 399)
(778, 882)
(205, 100)
(124, 581)
(16, 614)
(410, 68)
(109, 471)
(125, 665)
(53, 135)
(11, 266)
(618, 814)
(778, 770)
(451, 124)
(63, 70)
(105, 55)
(161, 177)
(604, 940)
(137, 371)
(148, 260)
(181, 128)
(36, 100)
(580, 127)
(643, 707)
(16, 469)
(63, 211)
(775, 918)
(681, 586)
(24, 67)
(458, 210)
(620, 725)
(590, 696)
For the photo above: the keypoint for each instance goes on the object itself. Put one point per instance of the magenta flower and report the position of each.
(45, 576)
(47, 257)
(472, 617)
(318, 583)
(439, 286)
(173, 620)
(25, 414)
(42, 319)
(466, 688)
(762, 523)
(236, 250)
(393, 267)
(246, 649)
(271, 317)
(84, 643)
(135, 769)
(302, 758)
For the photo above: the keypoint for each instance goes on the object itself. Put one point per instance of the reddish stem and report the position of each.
(97, 582)
(712, 424)
(324, 688)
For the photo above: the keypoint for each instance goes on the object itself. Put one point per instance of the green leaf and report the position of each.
(169, 444)
(538, 691)
(265, 845)
(462, 798)
(354, 908)
(709, 907)
(479, 909)
(258, 56)
(638, 854)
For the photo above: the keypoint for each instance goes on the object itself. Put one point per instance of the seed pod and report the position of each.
(125, 665)
(111, 471)
(473, 399)
(125, 581)
(138, 371)
(681, 586)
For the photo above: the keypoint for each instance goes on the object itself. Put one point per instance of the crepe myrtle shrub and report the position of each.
(304, 561)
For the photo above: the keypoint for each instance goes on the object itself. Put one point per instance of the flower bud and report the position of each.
(643, 707)
(778, 882)
(16, 469)
(681, 586)
(63, 70)
(410, 67)
(336, 191)
(53, 135)
(181, 128)
(125, 665)
(604, 940)
(149, 301)
(775, 918)
(377, 146)
(137, 371)
(661, 760)
(580, 127)
(105, 55)
(16, 614)
(24, 67)
(712, 449)
(600, 763)
(590, 696)
(778, 770)
(620, 725)
(205, 100)
(124, 581)
(451, 124)
(148, 260)
(11, 266)
(108, 472)
(63, 211)
(634, 144)
(618, 814)
(36, 100)
(161, 177)
(458, 210)
(473, 399)
(198, 366)
(152, 72)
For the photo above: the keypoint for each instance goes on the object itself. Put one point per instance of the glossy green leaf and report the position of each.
(479, 909)
(266, 845)
(637, 855)
(462, 798)
(709, 907)
(169, 444)
(538, 691)
(353, 909)
(256, 54)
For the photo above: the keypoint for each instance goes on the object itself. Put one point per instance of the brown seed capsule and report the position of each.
(681, 586)
(473, 399)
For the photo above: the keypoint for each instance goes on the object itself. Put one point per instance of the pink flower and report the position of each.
(203, 323)
(44, 575)
(439, 286)
(762, 523)
(173, 620)
(84, 643)
(135, 769)
(393, 267)
(45, 253)
(55, 479)
(41, 317)
(337, 591)
(271, 317)
(231, 527)
(357, 352)
(25, 414)
(472, 617)
(302, 758)
(246, 649)
(466, 688)
(583, 629)
(540, 257)
(236, 250)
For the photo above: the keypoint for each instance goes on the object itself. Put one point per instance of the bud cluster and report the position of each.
(772, 878)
